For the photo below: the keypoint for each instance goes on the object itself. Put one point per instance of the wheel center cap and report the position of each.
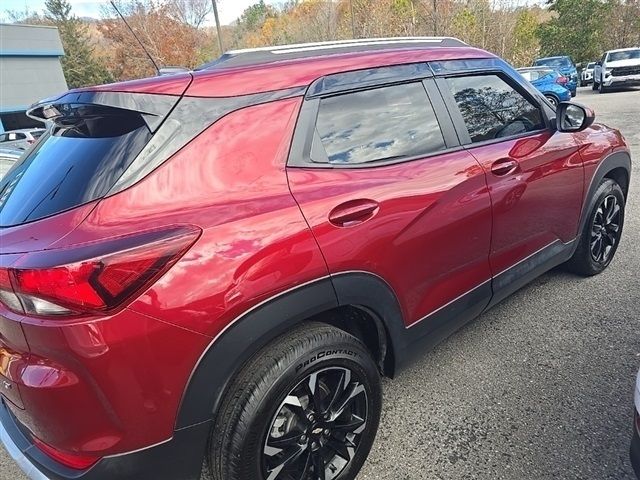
(317, 431)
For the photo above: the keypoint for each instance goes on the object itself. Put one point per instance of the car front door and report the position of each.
(534, 173)
(380, 176)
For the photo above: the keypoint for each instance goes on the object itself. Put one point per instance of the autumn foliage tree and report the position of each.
(169, 41)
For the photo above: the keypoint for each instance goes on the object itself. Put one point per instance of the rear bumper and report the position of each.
(180, 458)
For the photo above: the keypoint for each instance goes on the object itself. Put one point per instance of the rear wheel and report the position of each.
(601, 234)
(552, 99)
(307, 407)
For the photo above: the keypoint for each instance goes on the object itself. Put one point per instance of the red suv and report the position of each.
(217, 267)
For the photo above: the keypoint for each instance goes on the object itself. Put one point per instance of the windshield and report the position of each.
(559, 62)
(625, 55)
(590, 65)
(77, 162)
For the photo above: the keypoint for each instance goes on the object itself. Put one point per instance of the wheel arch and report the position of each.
(616, 166)
(360, 303)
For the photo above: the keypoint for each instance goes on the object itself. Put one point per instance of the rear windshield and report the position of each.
(554, 62)
(626, 55)
(78, 161)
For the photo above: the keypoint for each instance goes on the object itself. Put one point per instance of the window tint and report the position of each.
(78, 162)
(492, 109)
(380, 124)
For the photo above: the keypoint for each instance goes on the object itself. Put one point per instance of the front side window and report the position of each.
(386, 123)
(492, 109)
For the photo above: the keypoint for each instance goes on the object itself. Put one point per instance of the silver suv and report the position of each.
(617, 68)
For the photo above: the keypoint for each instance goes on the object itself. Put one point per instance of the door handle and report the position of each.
(504, 166)
(353, 212)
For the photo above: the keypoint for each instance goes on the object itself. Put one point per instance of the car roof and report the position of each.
(263, 55)
(23, 130)
(535, 69)
(261, 70)
(623, 49)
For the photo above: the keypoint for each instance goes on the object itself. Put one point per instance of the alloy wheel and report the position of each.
(605, 231)
(317, 429)
(552, 99)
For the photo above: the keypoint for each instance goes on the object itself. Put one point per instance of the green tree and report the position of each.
(576, 29)
(80, 65)
(525, 39)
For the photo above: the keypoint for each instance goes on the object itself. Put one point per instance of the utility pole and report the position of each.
(219, 30)
(353, 21)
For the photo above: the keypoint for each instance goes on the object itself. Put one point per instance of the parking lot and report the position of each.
(540, 387)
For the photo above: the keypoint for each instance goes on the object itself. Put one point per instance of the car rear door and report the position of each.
(379, 174)
(534, 173)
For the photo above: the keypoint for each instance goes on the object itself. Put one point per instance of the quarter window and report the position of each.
(385, 123)
(492, 109)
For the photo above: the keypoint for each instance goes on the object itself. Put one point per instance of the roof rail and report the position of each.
(255, 56)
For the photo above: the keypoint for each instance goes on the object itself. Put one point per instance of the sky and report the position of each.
(229, 10)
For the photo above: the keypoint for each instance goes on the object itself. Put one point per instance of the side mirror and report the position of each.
(572, 117)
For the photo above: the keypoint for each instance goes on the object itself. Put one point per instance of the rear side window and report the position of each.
(77, 162)
(381, 124)
(492, 109)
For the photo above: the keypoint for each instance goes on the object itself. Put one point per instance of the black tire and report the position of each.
(586, 261)
(602, 88)
(553, 99)
(257, 408)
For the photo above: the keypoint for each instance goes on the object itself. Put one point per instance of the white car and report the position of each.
(586, 77)
(617, 68)
(20, 139)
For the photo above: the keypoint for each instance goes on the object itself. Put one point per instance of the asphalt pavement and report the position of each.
(540, 387)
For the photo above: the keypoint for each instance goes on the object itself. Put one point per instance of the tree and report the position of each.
(576, 30)
(80, 65)
(191, 12)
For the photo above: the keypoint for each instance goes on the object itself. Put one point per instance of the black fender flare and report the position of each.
(253, 330)
(620, 159)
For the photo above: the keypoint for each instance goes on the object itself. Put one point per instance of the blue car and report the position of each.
(565, 66)
(552, 84)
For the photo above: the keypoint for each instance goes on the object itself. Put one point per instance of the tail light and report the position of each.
(93, 279)
(73, 461)
(562, 80)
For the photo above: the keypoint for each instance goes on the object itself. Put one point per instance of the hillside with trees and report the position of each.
(175, 32)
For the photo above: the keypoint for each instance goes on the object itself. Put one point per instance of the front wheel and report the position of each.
(602, 88)
(601, 234)
(307, 407)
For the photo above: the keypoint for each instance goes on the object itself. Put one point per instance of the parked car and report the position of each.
(20, 139)
(586, 77)
(550, 83)
(234, 256)
(565, 66)
(8, 157)
(617, 68)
